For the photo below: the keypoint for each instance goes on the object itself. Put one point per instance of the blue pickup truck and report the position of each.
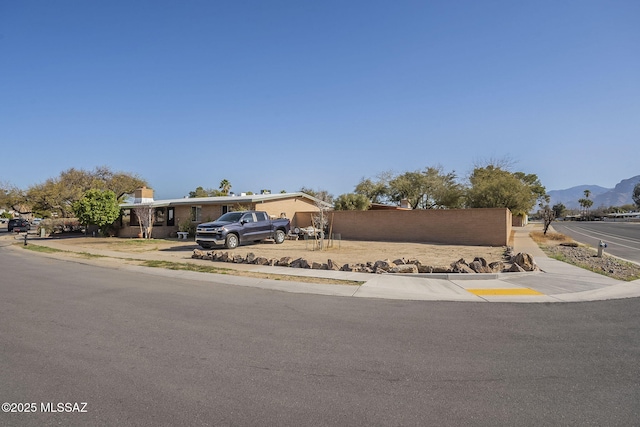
(235, 228)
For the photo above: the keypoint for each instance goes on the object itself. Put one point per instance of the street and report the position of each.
(622, 238)
(143, 349)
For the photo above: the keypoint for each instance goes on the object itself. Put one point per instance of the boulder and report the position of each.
(197, 254)
(318, 266)
(261, 261)
(525, 261)
(461, 266)
(238, 259)
(285, 261)
(482, 261)
(300, 263)
(496, 267)
(251, 258)
(425, 268)
(385, 265)
(515, 268)
(331, 265)
(405, 269)
(477, 267)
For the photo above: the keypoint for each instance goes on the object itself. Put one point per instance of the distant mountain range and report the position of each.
(602, 197)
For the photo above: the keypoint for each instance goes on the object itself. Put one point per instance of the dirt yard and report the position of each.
(341, 252)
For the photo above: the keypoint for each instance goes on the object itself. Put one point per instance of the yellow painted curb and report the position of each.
(511, 291)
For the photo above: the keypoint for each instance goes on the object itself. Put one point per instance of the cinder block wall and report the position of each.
(478, 227)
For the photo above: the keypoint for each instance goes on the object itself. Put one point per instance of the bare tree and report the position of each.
(145, 219)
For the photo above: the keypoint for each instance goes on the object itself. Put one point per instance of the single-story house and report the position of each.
(171, 216)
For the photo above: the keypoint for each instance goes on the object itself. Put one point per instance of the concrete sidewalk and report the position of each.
(556, 282)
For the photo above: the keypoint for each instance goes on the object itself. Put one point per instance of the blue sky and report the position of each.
(284, 94)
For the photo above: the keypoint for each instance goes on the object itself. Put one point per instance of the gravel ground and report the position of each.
(586, 257)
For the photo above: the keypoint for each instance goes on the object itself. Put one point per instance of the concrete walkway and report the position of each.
(556, 282)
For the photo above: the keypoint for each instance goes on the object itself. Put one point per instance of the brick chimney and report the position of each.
(143, 195)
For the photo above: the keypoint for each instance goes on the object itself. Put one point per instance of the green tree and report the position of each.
(376, 191)
(430, 188)
(319, 194)
(13, 198)
(97, 207)
(559, 210)
(57, 195)
(636, 195)
(352, 202)
(202, 192)
(493, 187)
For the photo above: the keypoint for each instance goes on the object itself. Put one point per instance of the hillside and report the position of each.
(601, 196)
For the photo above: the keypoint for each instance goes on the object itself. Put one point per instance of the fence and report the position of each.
(476, 227)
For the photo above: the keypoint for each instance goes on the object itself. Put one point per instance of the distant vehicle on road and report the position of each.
(235, 228)
(18, 224)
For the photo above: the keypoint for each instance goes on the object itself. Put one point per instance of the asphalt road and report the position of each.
(622, 238)
(144, 350)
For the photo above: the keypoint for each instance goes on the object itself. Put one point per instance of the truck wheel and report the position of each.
(231, 242)
(279, 237)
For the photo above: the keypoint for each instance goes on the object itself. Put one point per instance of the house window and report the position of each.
(196, 213)
(125, 218)
(227, 208)
(159, 216)
(171, 216)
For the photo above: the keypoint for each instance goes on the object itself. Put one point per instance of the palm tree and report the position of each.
(587, 203)
(225, 186)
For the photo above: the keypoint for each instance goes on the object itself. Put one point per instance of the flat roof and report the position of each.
(222, 200)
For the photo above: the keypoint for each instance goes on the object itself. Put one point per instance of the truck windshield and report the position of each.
(231, 217)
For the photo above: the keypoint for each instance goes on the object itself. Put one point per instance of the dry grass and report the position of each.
(342, 252)
(550, 238)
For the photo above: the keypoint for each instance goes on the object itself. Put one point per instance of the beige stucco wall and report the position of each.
(481, 227)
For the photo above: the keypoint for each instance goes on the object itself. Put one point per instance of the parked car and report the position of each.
(18, 224)
(235, 228)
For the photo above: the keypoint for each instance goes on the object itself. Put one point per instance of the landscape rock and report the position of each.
(261, 261)
(478, 267)
(197, 254)
(515, 268)
(520, 263)
(525, 261)
(300, 263)
(496, 267)
(461, 266)
(331, 265)
(384, 265)
(405, 269)
(285, 261)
